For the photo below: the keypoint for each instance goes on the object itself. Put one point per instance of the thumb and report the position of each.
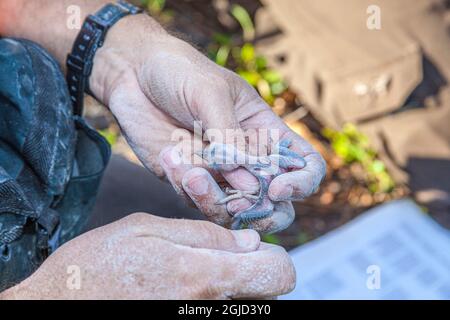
(193, 233)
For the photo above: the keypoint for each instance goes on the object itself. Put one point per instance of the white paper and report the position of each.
(394, 251)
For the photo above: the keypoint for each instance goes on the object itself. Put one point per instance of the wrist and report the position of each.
(45, 283)
(13, 293)
(128, 43)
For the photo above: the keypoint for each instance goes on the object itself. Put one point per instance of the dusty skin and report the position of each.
(148, 257)
(170, 85)
(155, 83)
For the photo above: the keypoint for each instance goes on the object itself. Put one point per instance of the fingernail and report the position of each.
(198, 185)
(171, 158)
(246, 239)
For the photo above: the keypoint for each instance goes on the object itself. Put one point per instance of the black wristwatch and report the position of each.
(90, 38)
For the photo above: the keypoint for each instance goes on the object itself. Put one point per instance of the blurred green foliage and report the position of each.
(353, 146)
(244, 19)
(271, 238)
(300, 239)
(244, 60)
(110, 135)
(156, 8)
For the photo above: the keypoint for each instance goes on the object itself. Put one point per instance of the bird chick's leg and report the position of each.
(238, 194)
(265, 169)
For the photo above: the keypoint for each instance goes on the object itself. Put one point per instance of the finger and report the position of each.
(238, 205)
(192, 233)
(227, 159)
(294, 185)
(266, 272)
(282, 217)
(177, 160)
(240, 179)
(174, 167)
(204, 191)
(299, 184)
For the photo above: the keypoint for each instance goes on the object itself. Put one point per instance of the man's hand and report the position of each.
(147, 257)
(155, 84)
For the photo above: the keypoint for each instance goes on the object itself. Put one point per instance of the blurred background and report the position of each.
(366, 82)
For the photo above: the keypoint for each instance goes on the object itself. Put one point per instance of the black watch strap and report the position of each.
(90, 38)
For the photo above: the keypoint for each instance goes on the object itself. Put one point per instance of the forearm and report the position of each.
(11, 293)
(47, 22)
(40, 285)
(23, 291)
(50, 23)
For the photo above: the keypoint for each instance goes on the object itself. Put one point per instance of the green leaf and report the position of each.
(221, 38)
(109, 135)
(272, 76)
(211, 51)
(261, 63)
(271, 238)
(377, 166)
(242, 16)
(236, 53)
(247, 53)
(250, 76)
(328, 133)
(278, 88)
(222, 55)
(156, 6)
(353, 146)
